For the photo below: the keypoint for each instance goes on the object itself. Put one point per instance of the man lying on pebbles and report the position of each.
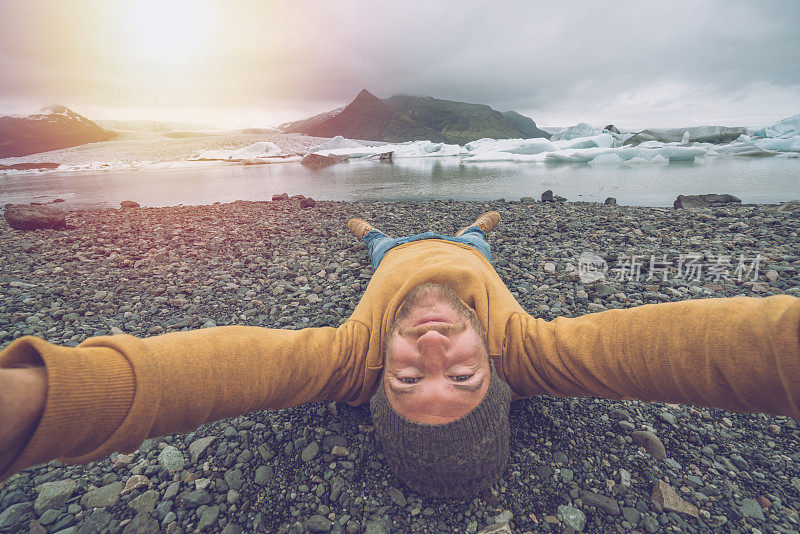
(437, 345)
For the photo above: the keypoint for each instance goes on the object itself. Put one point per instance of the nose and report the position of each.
(432, 343)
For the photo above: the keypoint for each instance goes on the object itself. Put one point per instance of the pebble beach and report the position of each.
(576, 464)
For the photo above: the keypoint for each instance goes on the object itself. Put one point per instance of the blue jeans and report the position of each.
(378, 243)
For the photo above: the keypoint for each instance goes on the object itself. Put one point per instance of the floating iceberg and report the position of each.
(669, 153)
(780, 144)
(785, 128)
(698, 134)
(335, 143)
(579, 130)
(264, 149)
(409, 149)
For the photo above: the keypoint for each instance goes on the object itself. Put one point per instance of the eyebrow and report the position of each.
(471, 388)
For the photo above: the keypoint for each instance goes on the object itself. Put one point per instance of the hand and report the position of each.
(23, 392)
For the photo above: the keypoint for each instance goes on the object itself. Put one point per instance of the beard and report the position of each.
(467, 318)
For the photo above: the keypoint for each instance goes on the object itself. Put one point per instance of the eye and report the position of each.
(408, 380)
(462, 378)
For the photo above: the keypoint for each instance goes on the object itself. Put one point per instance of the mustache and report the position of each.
(444, 329)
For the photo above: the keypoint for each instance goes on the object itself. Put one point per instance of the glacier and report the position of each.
(579, 144)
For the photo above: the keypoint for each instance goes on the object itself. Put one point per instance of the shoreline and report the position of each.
(147, 271)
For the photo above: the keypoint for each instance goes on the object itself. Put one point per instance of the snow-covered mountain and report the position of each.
(52, 128)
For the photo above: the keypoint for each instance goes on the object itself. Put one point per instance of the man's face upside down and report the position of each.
(436, 357)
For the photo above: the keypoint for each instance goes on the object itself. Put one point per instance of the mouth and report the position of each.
(431, 319)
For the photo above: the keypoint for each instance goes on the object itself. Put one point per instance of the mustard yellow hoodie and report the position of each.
(111, 393)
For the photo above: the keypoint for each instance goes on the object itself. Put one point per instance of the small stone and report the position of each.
(752, 509)
(128, 204)
(54, 495)
(234, 479)
(135, 482)
(97, 522)
(102, 497)
(208, 518)
(49, 516)
(318, 523)
(764, 502)
(651, 443)
(376, 527)
(122, 460)
(199, 446)
(144, 502)
(397, 496)
(196, 498)
(497, 528)
(631, 515)
(625, 425)
(264, 474)
(202, 483)
(310, 452)
(338, 450)
(141, 523)
(503, 517)
(602, 502)
(668, 418)
(549, 267)
(668, 499)
(171, 459)
(625, 478)
(572, 517)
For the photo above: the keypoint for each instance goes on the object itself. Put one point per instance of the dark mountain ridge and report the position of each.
(55, 127)
(366, 117)
(411, 118)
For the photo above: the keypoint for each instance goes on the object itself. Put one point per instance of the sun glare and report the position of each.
(164, 36)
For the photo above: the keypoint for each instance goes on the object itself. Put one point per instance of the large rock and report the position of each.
(317, 161)
(32, 217)
(171, 459)
(199, 446)
(668, 499)
(15, 514)
(700, 134)
(704, 201)
(597, 500)
(54, 495)
(611, 128)
(651, 443)
(548, 196)
(53, 128)
(101, 497)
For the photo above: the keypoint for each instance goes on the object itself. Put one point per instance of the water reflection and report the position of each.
(753, 180)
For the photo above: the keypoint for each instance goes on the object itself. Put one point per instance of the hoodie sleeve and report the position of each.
(741, 354)
(111, 393)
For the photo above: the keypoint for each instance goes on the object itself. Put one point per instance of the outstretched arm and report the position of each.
(111, 393)
(741, 354)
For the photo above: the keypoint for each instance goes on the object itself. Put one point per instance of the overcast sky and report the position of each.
(635, 64)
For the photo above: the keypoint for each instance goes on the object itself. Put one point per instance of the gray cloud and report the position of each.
(668, 62)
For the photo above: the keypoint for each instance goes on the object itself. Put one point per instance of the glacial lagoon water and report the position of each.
(765, 180)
